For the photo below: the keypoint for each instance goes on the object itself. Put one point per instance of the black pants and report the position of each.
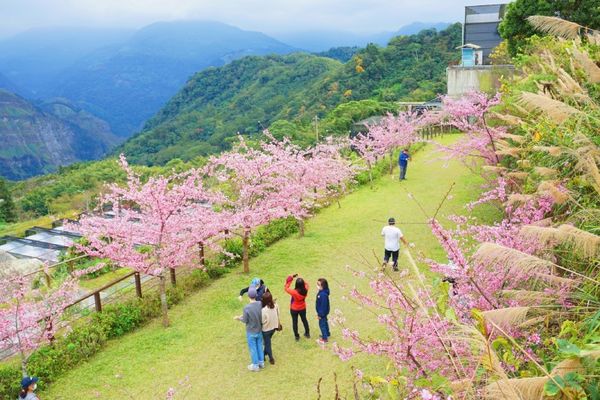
(302, 315)
(393, 254)
(267, 342)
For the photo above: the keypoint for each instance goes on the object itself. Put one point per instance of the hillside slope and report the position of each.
(252, 93)
(206, 348)
(127, 83)
(38, 139)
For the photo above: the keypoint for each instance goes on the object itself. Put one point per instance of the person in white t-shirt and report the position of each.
(393, 236)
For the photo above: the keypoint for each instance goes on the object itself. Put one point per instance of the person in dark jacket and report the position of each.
(260, 287)
(403, 163)
(323, 310)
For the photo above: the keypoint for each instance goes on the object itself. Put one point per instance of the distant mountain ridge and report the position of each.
(254, 92)
(37, 139)
(127, 76)
(321, 40)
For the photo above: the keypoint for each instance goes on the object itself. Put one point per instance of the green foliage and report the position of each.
(7, 206)
(343, 54)
(85, 340)
(515, 28)
(341, 118)
(255, 92)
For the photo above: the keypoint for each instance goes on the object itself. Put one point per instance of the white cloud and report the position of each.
(262, 15)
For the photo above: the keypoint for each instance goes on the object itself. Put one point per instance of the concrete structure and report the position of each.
(481, 27)
(471, 55)
(482, 78)
(480, 38)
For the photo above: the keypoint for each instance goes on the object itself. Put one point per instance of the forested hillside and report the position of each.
(255, 92)
(284, 93)
(37, 139)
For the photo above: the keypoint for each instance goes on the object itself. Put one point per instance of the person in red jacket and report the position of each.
(298, 304)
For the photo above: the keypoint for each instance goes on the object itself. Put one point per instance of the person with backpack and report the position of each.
(322, 307)
(28, 386)
(298, 304)
(260, 286)
(252, 317)
(270, 323)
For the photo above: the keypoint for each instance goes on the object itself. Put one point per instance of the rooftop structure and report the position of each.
(481, 29)
(40, 243)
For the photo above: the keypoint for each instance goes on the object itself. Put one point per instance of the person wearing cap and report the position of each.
(28, 386)
(403, 163)
(252, 317)
(260, 286)
(393, 235)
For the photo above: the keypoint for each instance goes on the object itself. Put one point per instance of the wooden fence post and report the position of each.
(138, 284)
(98, 301)
(48, 280)
(173, 279)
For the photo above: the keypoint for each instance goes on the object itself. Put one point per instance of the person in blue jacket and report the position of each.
(260, 287)
(323, 310)
(403, 163)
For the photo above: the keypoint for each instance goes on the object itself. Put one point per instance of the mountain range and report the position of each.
(252, 93)
(38, 138)
(323, 40)
(124, 77)
(89, 89)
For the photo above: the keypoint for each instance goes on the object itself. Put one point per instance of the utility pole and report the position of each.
(317, 127)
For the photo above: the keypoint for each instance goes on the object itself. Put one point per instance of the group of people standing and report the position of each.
(262, 319)
(261, 315)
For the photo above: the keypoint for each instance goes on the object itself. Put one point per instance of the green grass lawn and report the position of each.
(207, 347)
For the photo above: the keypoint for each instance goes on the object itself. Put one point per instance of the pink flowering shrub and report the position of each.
(425, 332)
(387, 136)
(469, 115)
(30, 317)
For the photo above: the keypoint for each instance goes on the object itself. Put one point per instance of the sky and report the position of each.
(268, 16)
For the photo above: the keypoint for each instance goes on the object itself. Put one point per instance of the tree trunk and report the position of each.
(301, 227)
(392, 162)
(23, 365)
(201, 254)
(163, 299)
(246, 250)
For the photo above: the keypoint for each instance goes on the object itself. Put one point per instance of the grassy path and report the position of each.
(208, 347)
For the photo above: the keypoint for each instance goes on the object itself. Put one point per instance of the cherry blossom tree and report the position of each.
(385, 137)
(470, 115)
(157, 225)
(310, 175)
(29, 317)
(252, 184)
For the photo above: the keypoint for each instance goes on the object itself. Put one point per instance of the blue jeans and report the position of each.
(267, 339)
(403, 171)
(255, 345)
(324, 325)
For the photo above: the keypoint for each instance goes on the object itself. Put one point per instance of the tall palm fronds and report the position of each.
(556, 110)
(587, 154)
(587, 243)
(587, 64)
(563, 28)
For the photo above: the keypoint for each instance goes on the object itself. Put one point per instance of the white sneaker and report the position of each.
(261, 365)
(253, 368)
